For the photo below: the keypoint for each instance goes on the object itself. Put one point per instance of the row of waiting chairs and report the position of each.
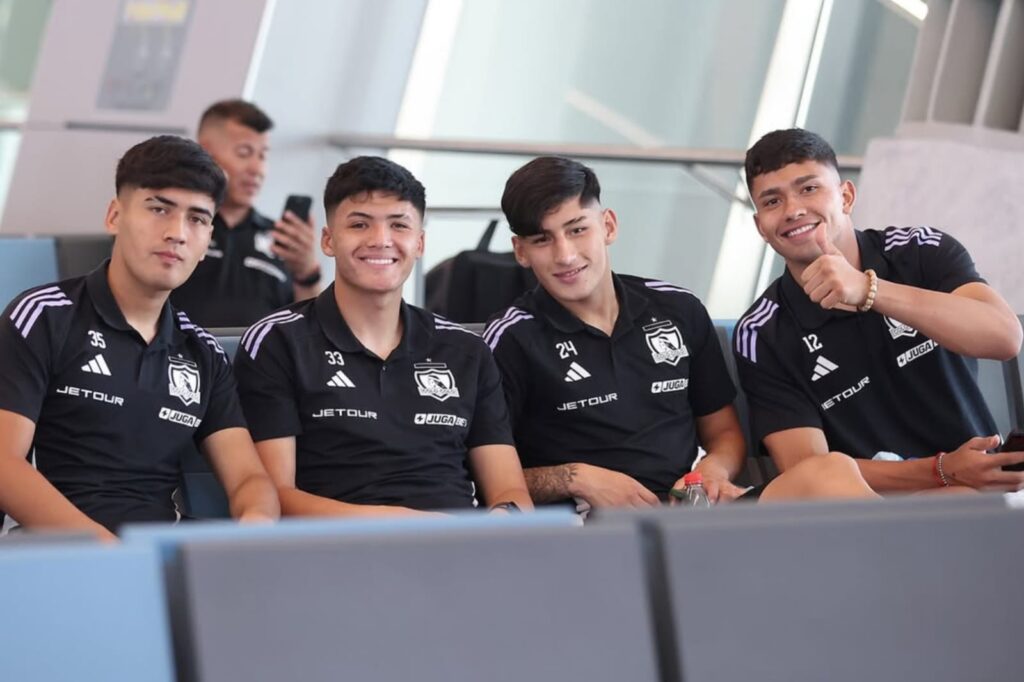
(1000, 382)
(907, 589)
(26, 262)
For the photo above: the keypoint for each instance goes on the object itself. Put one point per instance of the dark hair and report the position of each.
(543, 185)
(782, 147)
(167, 161)
(365, 174)
(238, 110)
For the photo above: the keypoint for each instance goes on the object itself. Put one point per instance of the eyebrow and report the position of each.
(168, 202)
(577, 219)
(390, 216)
(797, 182)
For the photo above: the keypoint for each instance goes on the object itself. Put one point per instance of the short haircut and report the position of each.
(368, 174)
(167, 161)
(543, 185)
(782, 147)
(239, 111)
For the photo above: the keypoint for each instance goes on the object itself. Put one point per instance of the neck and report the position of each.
(601, 309)
(232, 214)
(375, 319)
(140, 306)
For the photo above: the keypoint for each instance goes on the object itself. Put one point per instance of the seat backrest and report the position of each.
(848, 597)
(759, 469)
(83, 612)
(506, 605)
(992, 378)
(80, 254)
(25, 262)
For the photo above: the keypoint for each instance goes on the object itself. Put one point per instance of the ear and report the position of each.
(325, 242)
(849, 196)
(421, 243)
(113, 219)
(519, 249)
(611, 226)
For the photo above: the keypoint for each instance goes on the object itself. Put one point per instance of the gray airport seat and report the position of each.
(25, 262)
(83, 612)
(932, 594)
(80, 254)
(992, 380)
(759, 468)
(499, 605)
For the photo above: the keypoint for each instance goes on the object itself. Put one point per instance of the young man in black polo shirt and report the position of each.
(254, 265)
(361, 404)
(104, 383)
(865, 343)
(612, 380)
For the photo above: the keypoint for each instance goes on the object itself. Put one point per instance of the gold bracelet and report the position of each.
(872, 291)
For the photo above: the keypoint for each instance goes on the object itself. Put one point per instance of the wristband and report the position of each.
(940, 475)
(872, 291)
(309, 280)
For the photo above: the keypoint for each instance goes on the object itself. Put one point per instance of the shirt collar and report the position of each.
(632, 305)
(809, 314)
(98, 288)
(417, 327)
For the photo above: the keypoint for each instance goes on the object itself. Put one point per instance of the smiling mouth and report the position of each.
(797, 231)
(569, 274)
(380, 261)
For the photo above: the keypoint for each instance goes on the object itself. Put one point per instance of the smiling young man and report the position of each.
(254, 265)
(865, 343)
(613, 380)
(361, 404)
(104, 383)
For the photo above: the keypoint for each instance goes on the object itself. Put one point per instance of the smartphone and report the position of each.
(299, 204)
(1014, 442)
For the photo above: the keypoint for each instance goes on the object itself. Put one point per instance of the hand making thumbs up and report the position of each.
(830, 280)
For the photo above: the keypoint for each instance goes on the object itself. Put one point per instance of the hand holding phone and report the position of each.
(1014, 442)
(298, 204)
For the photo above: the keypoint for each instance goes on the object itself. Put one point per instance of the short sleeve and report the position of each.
(266, 389)
(946, 266)
(711, 387)
(490, 425)
(776, 403)
(26, 346)
(224, 410)
(511, 363)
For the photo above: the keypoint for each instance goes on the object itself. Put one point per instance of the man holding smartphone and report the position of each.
(254, 265)
(866, 343)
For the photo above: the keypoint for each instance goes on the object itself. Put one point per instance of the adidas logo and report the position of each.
(97, 366)
(339, 380)
(576, 373)
(823, 367)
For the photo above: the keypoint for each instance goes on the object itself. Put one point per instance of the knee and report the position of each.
(830, 467)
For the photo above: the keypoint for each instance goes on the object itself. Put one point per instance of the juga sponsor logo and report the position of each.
(588, 402)
(670, 385)
(176, 417)
(98, 396)
(436, 419)
(903, 359)
(846, 394)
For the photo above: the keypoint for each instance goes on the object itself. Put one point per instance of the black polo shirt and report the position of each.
(112, 413)
(372, 431)
(625, 402)
(240, 280)
(868, 381)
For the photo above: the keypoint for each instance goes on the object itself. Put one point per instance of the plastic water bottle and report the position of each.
(694, 494)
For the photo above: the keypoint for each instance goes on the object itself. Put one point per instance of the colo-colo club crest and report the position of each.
(183, 378)
(435, 380)
(898, 329)
(665, 342)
